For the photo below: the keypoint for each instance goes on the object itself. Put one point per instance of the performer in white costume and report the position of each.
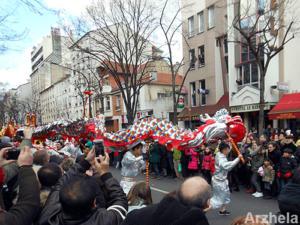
(132, 163)
(221, 193)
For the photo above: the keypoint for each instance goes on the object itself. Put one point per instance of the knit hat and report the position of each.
(288, 150)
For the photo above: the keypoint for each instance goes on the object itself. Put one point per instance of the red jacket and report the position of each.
(193, 163)
(206, 162)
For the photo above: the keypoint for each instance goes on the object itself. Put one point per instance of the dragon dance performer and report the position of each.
(221, 193)
(132, 162)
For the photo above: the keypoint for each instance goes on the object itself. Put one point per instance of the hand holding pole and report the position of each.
(235, 147)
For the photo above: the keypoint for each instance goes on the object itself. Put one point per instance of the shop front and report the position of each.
(287, 110)
(249, 114)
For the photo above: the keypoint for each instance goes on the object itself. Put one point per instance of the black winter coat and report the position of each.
(168, 212)
(297, 154)
(163, 157)
(289, 200)
(52, 213)
(287, 165)
(275, 156)
(28, 205)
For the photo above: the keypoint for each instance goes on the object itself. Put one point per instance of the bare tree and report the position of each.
(171, 25)
(9, 35)
(118, 36)
(263, 30)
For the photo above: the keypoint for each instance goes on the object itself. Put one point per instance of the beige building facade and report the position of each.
(205, 54)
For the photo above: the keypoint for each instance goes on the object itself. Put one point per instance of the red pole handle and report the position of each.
(235, 147)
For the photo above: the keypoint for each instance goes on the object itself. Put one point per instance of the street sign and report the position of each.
(106, 89)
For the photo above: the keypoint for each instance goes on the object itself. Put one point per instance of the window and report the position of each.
(203, 95)
(108, 103)
(192, 58)
(225, 50)
(248, 74)
(106, 81)
(191, 26)
(225, 46)
(225, 24)
(193, 93)
(118, 102)
(201, 56)
(211, 17)
(163, 95)
(200, 22)
(153, 76)
(246, 54)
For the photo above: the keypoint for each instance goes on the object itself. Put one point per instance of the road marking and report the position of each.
(159, 190)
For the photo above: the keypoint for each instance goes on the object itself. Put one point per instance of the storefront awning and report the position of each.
(194, 113)
(288, 107)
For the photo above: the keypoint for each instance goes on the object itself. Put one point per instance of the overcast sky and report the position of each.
(15, 66)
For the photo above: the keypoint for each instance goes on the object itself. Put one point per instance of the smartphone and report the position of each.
(13, 154)
(99, 147)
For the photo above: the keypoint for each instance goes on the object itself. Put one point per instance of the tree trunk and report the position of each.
(261, 118)
(175, 121)
(130, 116)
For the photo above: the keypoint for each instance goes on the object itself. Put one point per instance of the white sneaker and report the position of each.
(258, 195)
(255, 193)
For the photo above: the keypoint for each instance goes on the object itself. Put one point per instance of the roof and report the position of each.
(209, 109)
(114, 66)
(162, 79)
(166, 79)
(288, 107)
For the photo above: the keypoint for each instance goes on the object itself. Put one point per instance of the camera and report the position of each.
(13, 154)
(99, 147)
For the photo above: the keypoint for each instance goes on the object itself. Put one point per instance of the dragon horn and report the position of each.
(208, 117)
(202, 118)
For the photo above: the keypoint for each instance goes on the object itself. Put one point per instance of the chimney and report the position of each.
(153, 52)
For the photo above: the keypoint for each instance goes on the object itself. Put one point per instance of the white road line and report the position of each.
(159, 190)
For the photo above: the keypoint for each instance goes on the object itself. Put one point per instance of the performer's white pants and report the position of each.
(221, 193)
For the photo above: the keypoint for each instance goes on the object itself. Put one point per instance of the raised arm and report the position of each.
(28, 205)
(117, 200)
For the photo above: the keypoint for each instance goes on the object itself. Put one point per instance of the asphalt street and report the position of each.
(241, 202)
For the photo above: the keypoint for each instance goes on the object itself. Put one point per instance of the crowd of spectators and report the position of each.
(40, 189)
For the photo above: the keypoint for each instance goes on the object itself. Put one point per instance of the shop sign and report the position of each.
(286, 116)
(282, 86)
(180, 102)
(248, 108)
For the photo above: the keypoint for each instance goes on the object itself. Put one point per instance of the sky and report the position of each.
(15, 65)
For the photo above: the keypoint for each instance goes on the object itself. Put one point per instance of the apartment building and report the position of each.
(281, 77)
(49, 60)
(206, 56)
(19, 102)
(155, 97)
